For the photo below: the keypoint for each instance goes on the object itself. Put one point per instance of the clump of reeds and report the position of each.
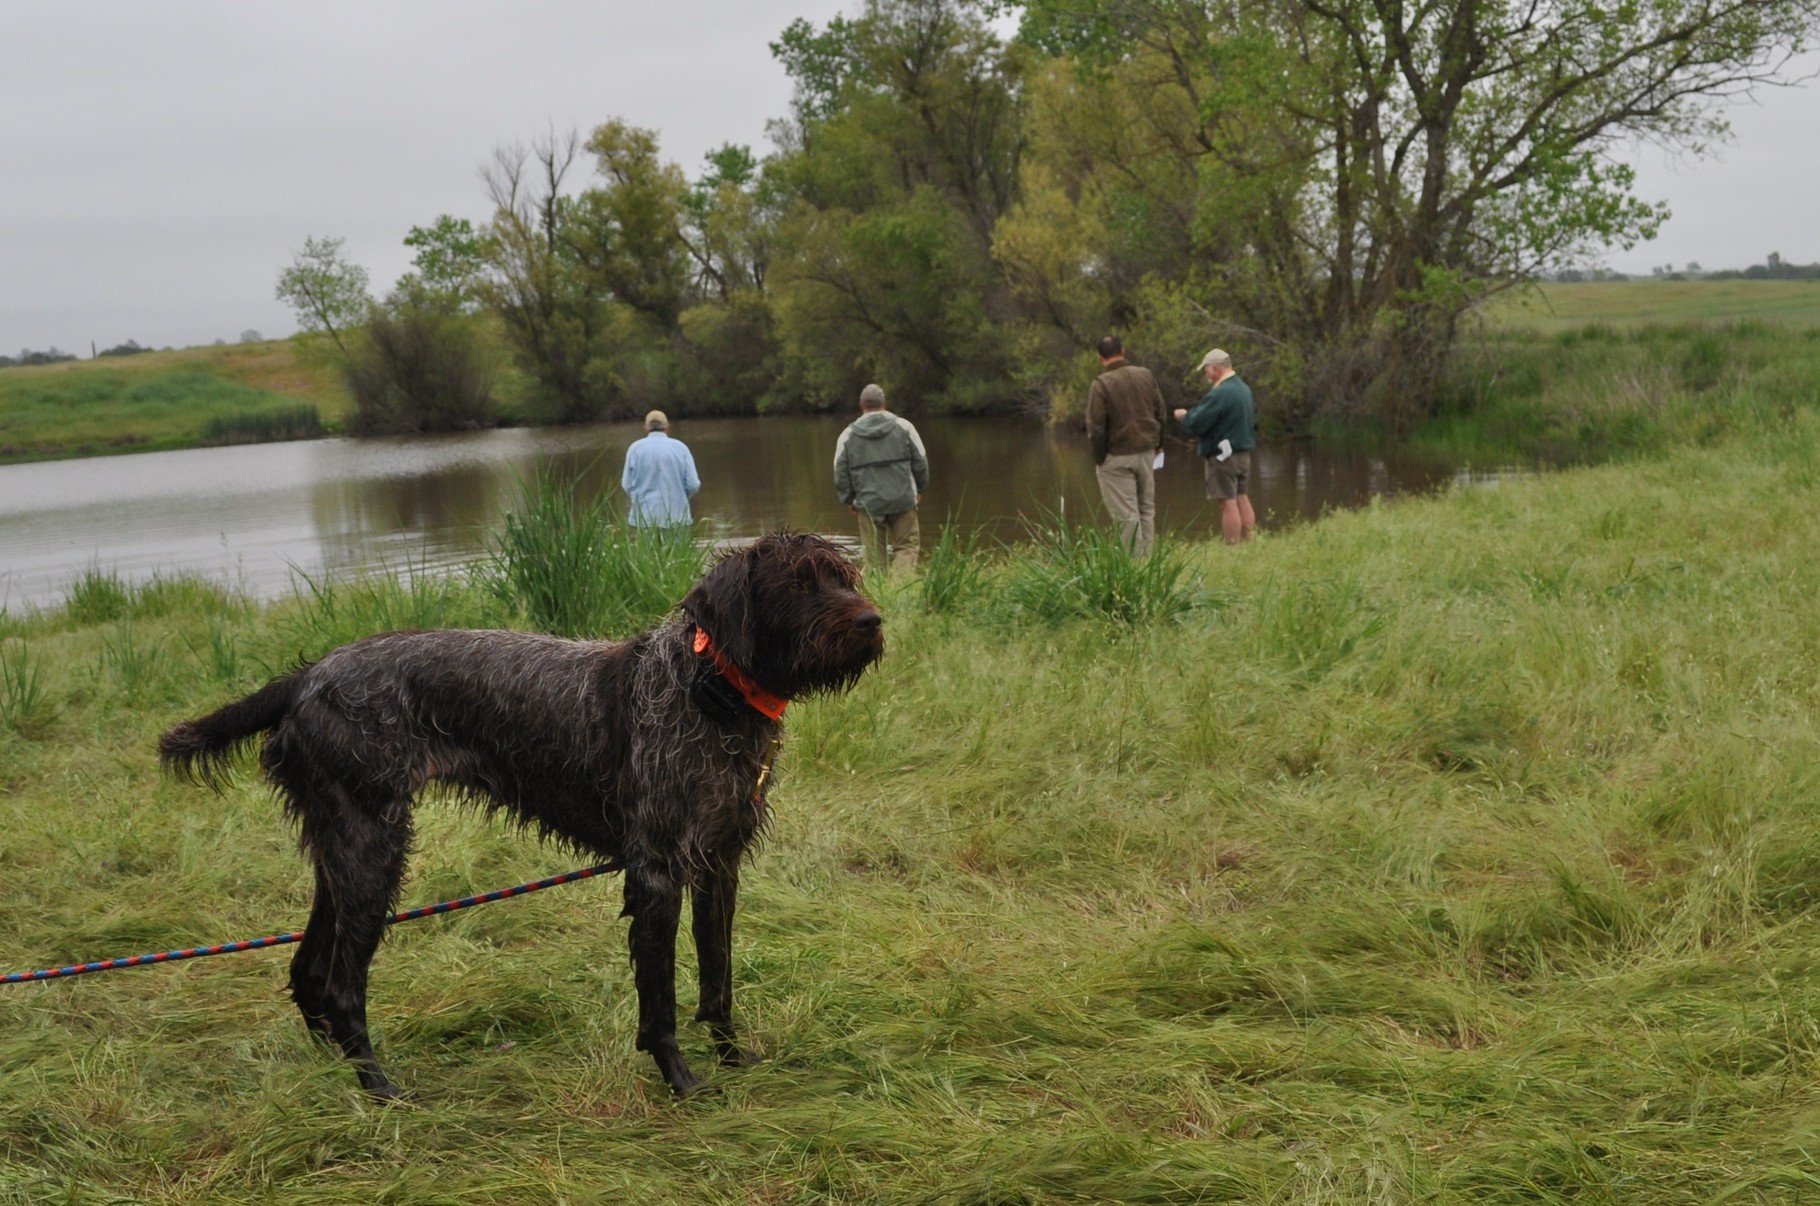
(97, 596)
(1075, 571)
(264, 426)
(331, 612)
(573, 567)
(953, 572)
(22, 696)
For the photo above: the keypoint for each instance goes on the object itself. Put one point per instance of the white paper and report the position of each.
(1158, 463)
(1225, 450)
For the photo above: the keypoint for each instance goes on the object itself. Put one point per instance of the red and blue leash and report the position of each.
(229, 948)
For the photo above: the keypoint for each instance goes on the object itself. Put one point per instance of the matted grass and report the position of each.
(1466, 852)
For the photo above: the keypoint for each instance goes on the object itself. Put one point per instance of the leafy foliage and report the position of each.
(419, 366)
(1329, 190)
(327, 292)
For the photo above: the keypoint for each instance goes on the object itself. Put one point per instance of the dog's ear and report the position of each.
(721, 605)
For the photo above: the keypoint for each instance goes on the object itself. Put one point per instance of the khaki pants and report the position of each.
(1128, 484)
(899, 532)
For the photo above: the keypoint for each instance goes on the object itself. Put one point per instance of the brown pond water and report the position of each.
(256, 516)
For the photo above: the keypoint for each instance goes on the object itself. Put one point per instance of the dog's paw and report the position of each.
(739, 1057)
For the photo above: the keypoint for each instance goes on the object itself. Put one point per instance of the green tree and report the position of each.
(450, 261)
(325, 291)
(627, 231)
(732, 213)
(900, 156)
(554, 319)
(1368, 170)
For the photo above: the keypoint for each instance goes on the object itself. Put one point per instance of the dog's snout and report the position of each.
(868, 620)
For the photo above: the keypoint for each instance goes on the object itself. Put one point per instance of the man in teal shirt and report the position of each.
(1224, 423)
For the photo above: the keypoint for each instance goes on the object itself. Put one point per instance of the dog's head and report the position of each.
(787, 609)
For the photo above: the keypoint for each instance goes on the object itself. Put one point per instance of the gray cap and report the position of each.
(656, 420)
(872, 395)
(1216, 357)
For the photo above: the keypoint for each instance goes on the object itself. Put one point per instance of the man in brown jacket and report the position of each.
(1125, 420)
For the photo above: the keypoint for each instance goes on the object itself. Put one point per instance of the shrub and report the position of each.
(420, 368)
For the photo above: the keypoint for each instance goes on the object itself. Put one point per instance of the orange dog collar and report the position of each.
(761, 699)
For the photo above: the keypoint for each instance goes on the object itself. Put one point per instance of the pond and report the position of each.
(255, 517)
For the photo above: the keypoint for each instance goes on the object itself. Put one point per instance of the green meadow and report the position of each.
(1461, 848)
(1603, 391)
(1555, 307)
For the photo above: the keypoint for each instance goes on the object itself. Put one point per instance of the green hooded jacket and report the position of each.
(879, 465)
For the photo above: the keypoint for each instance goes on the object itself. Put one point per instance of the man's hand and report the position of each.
(1181, 412)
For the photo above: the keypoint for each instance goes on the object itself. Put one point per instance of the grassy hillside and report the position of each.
(173, 399)
(1456, 849)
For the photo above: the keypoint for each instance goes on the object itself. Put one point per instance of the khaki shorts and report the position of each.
(1227, 478)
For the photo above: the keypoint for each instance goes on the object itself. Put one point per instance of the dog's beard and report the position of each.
(836, 660)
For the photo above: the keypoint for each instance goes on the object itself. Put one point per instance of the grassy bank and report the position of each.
(1602, 390)
(1457, 849)
(1579, 374)
(159, 400)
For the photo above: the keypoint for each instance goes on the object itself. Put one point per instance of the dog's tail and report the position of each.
(203, 750)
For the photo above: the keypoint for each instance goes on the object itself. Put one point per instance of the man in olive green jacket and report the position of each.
(880, 473)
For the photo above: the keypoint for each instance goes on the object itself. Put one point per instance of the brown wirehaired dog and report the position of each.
(649, 752)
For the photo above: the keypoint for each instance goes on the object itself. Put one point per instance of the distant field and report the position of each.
(174, 399)
(1556, 307)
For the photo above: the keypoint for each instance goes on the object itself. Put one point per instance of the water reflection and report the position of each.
(254, 516)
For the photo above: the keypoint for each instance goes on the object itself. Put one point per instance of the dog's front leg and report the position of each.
(716, 890)
(654, 900)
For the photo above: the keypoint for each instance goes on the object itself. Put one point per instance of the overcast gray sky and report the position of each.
(159, 162)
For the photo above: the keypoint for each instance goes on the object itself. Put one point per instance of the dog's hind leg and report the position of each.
(654, 901)
(359, 858)
(714, 893)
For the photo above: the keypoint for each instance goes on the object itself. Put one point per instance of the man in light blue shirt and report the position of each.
(659, 478)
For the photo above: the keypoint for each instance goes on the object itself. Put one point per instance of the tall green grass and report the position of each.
(574, 567)
(1593, 392)
(22, 699)
(1466, 851)
(300, 421)
(953, 571)
(1074, 572)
